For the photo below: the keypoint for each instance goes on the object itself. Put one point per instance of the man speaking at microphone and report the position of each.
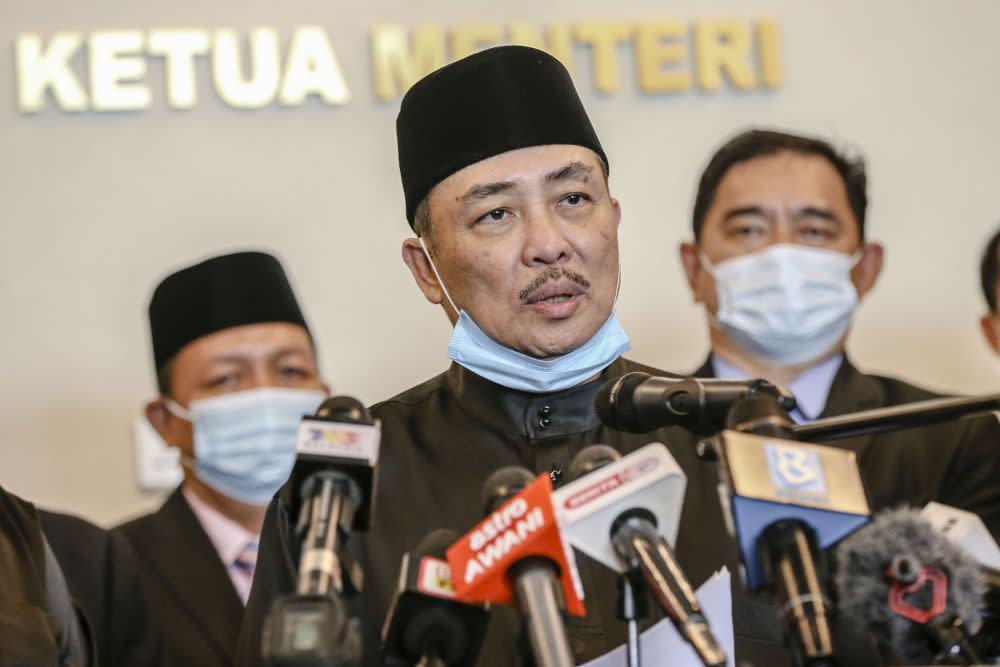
(780, 261)
(236, 367)
(506, 188)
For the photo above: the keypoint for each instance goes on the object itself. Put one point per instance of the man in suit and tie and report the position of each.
(236, 368)
(780, 261)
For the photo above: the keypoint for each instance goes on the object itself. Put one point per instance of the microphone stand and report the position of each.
(894, 418)
(631, 609)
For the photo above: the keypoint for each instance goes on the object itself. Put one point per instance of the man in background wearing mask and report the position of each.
(506, 188)
(236, 368)
(780, 261)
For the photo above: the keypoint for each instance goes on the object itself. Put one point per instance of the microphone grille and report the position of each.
(435, 544)
(590, 459)
(503, 485)
(344, 409)
(615, 404)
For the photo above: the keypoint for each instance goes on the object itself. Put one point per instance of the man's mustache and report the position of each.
(549, 275)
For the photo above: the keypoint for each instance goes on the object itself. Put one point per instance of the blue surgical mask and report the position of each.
(473, 349)
(788, 304)
(244, 442)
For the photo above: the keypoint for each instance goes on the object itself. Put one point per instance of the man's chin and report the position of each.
(549, 348)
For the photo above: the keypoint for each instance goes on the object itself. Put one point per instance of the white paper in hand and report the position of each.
(662, 645)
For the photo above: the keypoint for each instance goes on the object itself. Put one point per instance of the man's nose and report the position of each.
(545, 242)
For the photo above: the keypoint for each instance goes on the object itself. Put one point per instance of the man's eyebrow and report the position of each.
(816, 212)
(574, 171)
(743, 210)
(484, 190)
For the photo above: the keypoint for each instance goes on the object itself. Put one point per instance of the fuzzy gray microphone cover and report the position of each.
(863, 584)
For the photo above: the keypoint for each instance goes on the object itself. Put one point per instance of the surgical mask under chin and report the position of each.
(473, 349)
(244, 442)
(786, 304)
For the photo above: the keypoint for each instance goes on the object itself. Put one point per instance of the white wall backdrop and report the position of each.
(96, 207)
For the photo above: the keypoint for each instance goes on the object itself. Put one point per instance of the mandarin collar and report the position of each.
(528, 414)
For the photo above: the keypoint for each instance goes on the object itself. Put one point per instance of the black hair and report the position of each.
(754, 143)
(988, 269)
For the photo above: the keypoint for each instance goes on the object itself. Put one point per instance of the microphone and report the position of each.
(517, 555)
(331, 492)
(426, 625)
(639, 402)
(914, 590)
(770, 477)
(623, 512)
(332, 481)
(784, 501)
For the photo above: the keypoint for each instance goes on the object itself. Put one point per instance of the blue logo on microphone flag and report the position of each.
(797, 472)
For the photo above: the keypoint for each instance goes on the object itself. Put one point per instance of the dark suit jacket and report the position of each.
(955, 462)
(187, 587)
(103, 578)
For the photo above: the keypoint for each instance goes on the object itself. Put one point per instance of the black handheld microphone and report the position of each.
(785, 500)
(915, 591)
(639, 402)
(425, 624)
(624, 501)
(332, 484)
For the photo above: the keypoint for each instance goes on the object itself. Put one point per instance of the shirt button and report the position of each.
(544, 422)
(545, 411)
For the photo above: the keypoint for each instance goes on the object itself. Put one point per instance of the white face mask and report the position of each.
(787, 303)
(244, 442)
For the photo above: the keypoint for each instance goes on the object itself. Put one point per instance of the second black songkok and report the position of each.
(216, 294)
(491, 102)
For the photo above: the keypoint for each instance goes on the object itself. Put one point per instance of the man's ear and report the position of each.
(692, 265)
(989, 332)
(420, 267)
(865, 274)
(158, 415)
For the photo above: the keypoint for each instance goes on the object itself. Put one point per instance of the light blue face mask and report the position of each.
(473, 349)
(244, 442)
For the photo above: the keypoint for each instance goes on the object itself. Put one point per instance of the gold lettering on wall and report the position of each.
(660, 44)
(468, 39)
(558, 40)
(769, 53)
(401, 59)
(107, 70)
(604, 39)
(723, 47)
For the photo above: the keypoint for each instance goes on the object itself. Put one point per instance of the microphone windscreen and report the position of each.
(590, 459)
(344, 409)
(435, 544)
(863, 584)
(503, 485)
(614, 401)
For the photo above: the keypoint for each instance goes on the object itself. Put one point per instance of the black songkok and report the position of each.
(219, 293)
(491, 102)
